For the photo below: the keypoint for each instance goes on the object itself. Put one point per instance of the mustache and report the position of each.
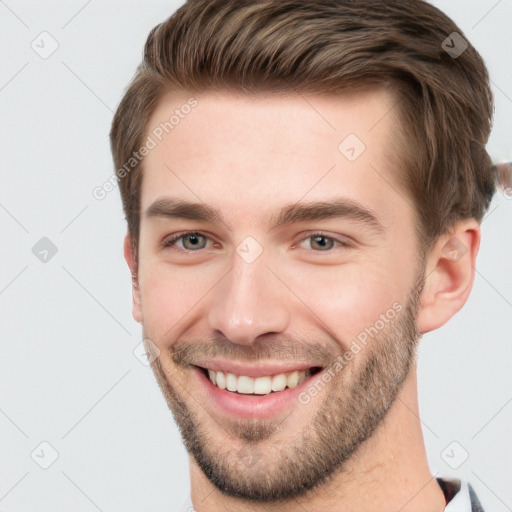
(188, 353)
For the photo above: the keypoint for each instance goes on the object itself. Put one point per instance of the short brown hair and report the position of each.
(331, 46)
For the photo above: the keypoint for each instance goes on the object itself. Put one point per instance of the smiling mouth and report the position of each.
(265, 385)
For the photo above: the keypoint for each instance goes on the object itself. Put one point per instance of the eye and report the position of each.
(323, 243)
(191, 241)
(194, 241)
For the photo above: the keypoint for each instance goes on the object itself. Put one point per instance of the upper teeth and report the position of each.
(258, 385)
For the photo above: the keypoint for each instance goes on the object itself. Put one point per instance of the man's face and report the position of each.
(261, 293)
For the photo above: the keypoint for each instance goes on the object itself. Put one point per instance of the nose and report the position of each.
(248, 302)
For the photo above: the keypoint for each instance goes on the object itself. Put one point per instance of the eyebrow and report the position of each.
(288, 214)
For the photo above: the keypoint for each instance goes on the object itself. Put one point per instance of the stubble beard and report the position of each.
(353, 407)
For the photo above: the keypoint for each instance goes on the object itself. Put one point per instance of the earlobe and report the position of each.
(449, 275)
(131, 259)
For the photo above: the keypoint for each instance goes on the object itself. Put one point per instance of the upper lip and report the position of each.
(256, 369)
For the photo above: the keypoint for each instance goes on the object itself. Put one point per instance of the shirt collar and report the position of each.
(456, 493)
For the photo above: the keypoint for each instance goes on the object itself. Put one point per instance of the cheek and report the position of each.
(348, 299)
(170, 296)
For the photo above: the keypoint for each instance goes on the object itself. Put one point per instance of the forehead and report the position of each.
(248, 154)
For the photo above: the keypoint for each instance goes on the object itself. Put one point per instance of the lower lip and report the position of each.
(252, 406)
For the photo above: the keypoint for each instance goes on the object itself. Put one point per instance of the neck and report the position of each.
(388, 472)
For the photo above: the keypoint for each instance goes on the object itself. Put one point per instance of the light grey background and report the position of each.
(68, 373)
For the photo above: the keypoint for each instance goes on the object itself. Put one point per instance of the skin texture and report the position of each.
(357, 444)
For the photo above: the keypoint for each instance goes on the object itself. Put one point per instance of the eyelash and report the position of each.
(171, 242)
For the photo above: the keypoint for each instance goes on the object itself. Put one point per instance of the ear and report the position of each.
(449, 275)
(131, 258)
